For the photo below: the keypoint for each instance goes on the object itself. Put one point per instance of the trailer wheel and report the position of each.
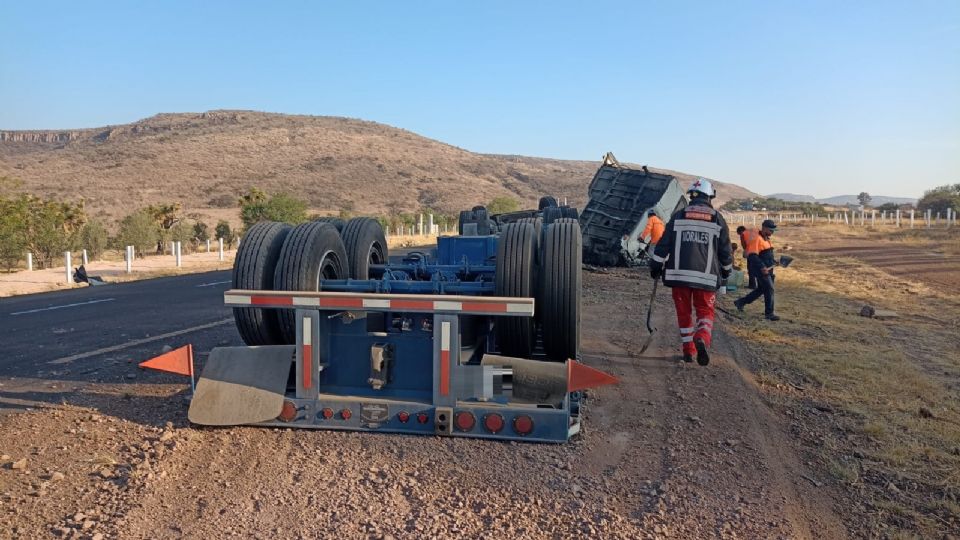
(515, 278)
(547, 202)
(562, 256)
(311, 253)
(569, 212)
(253, 269)
(335, 221)
(551, 214)
(365, 244)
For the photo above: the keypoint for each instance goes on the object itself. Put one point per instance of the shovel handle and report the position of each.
(653, 296)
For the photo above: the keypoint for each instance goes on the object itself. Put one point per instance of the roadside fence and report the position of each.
(862, 218)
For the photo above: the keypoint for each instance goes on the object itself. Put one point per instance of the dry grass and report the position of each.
(878, 398)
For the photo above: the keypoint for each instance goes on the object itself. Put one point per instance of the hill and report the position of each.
(792, 197)
(875, 200)
(205, 160)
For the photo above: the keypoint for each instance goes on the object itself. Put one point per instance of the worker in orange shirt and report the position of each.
(760, 263)
(653, 231)
(742, 234)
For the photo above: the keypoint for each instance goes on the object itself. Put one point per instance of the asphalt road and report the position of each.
(69, 332)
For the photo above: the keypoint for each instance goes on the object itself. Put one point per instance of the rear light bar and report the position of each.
(421, 303)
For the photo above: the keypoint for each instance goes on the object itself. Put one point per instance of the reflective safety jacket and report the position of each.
(759, 251)
(653, 231)
(695, 248)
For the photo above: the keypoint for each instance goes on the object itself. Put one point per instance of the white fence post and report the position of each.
(85, 262)
(66, 256)
(29, 262)
(220, 247)
(129, 259)
(176, 248)
(911, 218)
(430, 223)
(898, 218)
(873, 218)
(208, 245)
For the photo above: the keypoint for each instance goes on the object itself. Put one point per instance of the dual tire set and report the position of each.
(542, 261)
(278, 257)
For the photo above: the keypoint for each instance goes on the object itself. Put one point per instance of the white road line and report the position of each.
(63, 306)
(134, 343)
(214, 283)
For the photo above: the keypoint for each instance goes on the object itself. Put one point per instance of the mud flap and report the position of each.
(241, 385)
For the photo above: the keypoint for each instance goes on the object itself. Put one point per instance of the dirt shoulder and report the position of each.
(675, 450)
(871, 403)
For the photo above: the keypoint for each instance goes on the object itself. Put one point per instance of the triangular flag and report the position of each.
(179, 361)
(580, 377)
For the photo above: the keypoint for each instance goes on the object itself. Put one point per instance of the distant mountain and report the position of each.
(792, 197)
(206, 160)
(841, 200)
(875, 200)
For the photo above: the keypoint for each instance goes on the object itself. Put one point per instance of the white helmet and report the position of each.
(702, 185)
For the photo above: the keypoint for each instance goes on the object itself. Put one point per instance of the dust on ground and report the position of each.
(674, 450)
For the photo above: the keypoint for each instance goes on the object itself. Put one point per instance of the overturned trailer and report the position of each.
(616, 212)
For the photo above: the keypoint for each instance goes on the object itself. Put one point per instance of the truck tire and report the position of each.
(311, 253)
(537, 264)
(515, 278)
(335, 221)
(562, 258)
(551, 214)
(253, 269)
(547, 202)
(365, 244)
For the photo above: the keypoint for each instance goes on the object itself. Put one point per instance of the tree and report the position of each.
(864, 198)
(503, 205)
(223, 232)
(139, 230)
(13, 242)
(254, 208)
(201, 231)
(94, 238)
(51, 227)
(940, 198)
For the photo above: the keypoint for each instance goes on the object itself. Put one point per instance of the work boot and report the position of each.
(703, 357)
(773, 317)
(687, 357)
(739, 305)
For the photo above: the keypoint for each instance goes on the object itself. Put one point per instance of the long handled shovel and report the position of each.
(650, 328)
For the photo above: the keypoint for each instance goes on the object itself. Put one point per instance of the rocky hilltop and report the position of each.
(206, 159)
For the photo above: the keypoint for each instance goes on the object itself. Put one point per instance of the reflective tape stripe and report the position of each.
(686, 339)
(236, 299)
(692, 276)
(657, 258)
(375, 303)
(341, 302)
(447, 306)
(300, 301)
(686, 329)
(444, 358)
(698, 226)
(307, 353)
(520, 308)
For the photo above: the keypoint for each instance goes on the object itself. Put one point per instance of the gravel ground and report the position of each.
(675, 450)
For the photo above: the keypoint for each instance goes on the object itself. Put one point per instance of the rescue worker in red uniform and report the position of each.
(760, 263)
(694, 257)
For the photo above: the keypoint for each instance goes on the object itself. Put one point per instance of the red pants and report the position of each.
(694, 316)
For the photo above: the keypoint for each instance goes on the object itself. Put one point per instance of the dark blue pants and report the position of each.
(765, 289)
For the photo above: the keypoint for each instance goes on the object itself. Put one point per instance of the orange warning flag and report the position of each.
(580, 377)
(178, 361)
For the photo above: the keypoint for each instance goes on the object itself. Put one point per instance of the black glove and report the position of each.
(656, 270)
(724, 273)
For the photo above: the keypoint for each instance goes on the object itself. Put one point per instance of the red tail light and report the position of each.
(403, 416)
(423, 418)
(465, 421)
(288, 412)
(345, 414)
(327, 413)
(493, 423)
(523, 424)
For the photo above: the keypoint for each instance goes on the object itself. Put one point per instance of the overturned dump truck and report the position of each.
(475, 337)
(616, 212)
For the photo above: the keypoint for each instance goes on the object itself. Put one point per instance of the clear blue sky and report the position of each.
(822, 98)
